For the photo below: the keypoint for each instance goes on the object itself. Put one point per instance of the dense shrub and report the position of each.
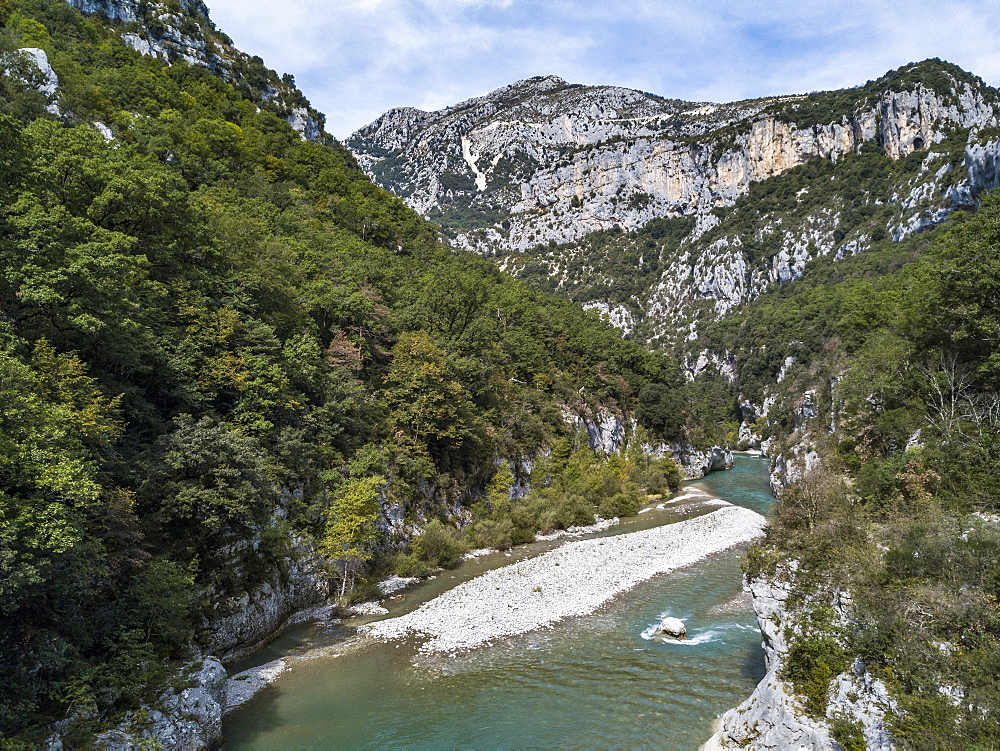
(436, 547)
(812, 663)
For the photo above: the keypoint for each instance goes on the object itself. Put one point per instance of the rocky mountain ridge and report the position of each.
(534, 172)
(183, 31)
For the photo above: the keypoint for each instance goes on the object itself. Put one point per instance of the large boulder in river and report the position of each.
(673, 627)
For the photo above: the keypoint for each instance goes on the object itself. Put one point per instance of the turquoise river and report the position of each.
(590, 682)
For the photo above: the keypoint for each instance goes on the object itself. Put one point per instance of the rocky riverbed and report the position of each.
(575, 579)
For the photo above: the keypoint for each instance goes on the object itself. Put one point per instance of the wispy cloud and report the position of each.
(357, 58)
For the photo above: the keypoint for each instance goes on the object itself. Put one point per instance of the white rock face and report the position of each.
(695, 464)
(120, 10)
(48, 80)
(143, 46)
(106, 133)
(544, 161)
(164, 32)
(594, 144)
(797, 464)
(617, 315)
(169, 40)
(303, 121)
(536, 121)
(772, 718)
(982, 162)
(607, 432)
(858, 695)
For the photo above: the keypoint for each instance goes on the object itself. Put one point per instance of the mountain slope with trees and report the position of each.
(576, 188)
(222, 348)
(873, 385)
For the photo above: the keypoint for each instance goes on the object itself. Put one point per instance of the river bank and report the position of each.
(587, 681)
(296, 655)
(400, 597)
(573, 580)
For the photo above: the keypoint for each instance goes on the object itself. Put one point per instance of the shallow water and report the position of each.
(746, 484)
(594, 681)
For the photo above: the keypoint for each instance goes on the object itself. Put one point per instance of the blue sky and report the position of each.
(355, 59)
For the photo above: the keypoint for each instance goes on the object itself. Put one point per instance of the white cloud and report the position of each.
(357, 58)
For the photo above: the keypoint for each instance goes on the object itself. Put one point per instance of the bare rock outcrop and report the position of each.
(773, 717)
(182, 30)
(242, 624)
(608, 432)
(31, 66)
(543, 164)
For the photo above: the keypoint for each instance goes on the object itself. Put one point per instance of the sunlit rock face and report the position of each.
(46, 81)
(772, 717)
(529, 171)
(184, 31)
(165, 32)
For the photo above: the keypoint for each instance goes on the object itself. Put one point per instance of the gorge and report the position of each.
(248, 372)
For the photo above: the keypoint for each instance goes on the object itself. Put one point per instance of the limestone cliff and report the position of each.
(609, 432)
(188, 716)
(531, 171)
(773, 717)
(242, 623)
(183, 31)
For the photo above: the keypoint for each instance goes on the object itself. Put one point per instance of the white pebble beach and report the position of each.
(574, 579)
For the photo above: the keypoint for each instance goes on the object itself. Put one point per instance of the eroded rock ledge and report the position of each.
(772, 717)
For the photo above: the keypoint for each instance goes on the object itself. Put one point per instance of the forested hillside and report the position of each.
(227, 356)
(876, 387)
(220, 342)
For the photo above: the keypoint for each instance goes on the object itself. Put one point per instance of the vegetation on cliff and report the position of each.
(899, 346)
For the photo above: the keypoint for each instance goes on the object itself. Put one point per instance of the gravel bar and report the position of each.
(574, 579)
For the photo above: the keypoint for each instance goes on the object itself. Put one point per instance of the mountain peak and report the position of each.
(937, 75)
(555, 80)
(532, 170)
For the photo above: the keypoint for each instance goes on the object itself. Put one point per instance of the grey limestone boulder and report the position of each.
(673, 627)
